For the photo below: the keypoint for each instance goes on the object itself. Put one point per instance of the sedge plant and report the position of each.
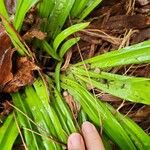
(41, 118)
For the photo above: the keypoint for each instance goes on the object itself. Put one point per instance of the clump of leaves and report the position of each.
(40, 110)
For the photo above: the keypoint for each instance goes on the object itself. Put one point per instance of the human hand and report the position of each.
(92, 140)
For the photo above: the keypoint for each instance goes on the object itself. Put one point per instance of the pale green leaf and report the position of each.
(67, 45)
(22, 8)
(67, 32)
(133, 89)
(8, 133)
(135, 54)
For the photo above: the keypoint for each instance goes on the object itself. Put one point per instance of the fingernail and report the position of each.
(87, 127)
(74, 140)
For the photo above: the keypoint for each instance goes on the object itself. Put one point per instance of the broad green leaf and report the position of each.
(67, 32)
(92, 4)
(22, 8)
(41, 89)
(107, 143)
(57, 76)
(3, 10)
(15, 38)
(58, 16)
(43, 121)
(99, 114)
(67, 45)
(64, 113)
(45, 8)
(8, 133)
(32, 140)
(135, 54)
(82, 117)
(47, 48)
(45, 117)
(78, 7)
(134, 89)
(139, 137)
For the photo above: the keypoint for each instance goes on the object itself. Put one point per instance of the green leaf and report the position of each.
(57, 76)
(46, 119)
(99, 114)
(82, 8)
(135, 54)
(3, 10)
(45, 8)
(41, 89)
(67, 32)
(58, 16)
(134, 89)
(92, 4)
(30, 138)
(15, 38)
(67, 45)
(139, 137)
(64, 113)
(82, 117)
(47, 47)
(78, 7)
(8, 133)
(22, 8)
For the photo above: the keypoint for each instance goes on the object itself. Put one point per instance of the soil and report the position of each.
(114, 24)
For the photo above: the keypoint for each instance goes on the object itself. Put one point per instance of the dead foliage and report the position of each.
(6, 53)
(125, 21)
(6, 109)
(10, 80)
(23, 76)
(141, 35)
(35, 33)
(74, 107)
(143, 2)
(11, 6)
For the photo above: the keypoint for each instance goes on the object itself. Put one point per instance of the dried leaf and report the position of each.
(143, 2)
(24, 75)
(124, 21)
(142, 114)
(74, 106)
(142, 35)
(35, 33)
(11, 6)
(5, 57)
(7, 108)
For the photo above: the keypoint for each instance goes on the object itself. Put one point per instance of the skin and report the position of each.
(89, 141)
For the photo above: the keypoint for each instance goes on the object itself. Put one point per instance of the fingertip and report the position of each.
(88, 127)
(91, 137)
(75, 141)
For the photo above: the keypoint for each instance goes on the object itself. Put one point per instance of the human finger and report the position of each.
(91, 137)
(75, 142)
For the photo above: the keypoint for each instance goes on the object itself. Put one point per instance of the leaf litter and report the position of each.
(10, 80)
(6, 53)
(23, 76)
